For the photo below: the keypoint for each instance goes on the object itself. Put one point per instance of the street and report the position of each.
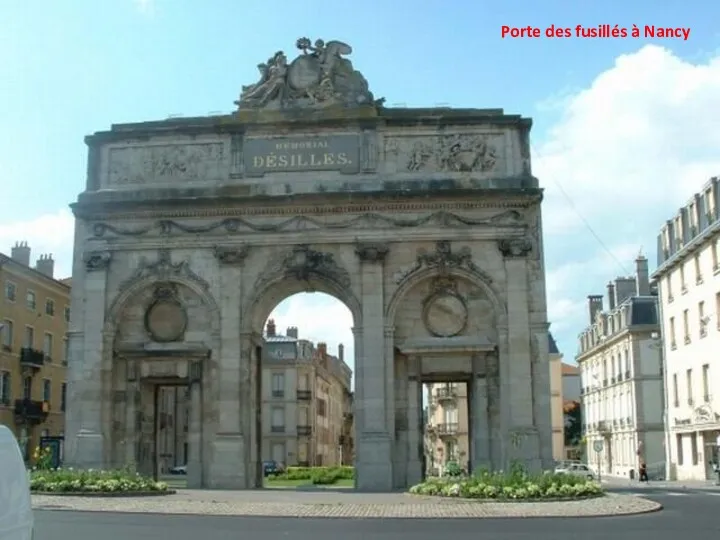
(691, 513)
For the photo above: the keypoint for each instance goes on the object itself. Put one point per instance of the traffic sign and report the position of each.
(598, 446)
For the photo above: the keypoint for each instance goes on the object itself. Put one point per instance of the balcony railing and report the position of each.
(278, 393)
(32, 358)
(277, 429)
(445, 393)
(447, 429)
(304, 431)
(304, 395)
(31, 411)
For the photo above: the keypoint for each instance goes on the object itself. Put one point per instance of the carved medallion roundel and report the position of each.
(445, 315)
(165, 319)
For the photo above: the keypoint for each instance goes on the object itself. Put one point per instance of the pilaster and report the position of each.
(479, 418)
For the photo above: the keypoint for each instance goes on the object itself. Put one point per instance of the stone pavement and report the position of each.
(343, 504)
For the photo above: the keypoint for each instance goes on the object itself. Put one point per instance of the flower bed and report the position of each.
(92, 482)
(317, 475)
(516, 486)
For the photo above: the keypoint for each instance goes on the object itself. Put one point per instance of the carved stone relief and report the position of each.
(443, 259)
(236, 256)
(163, 269)
(515, 247)
(304, 263)
(447, 153)
(97, 260)
(372, 253)
(165, 319)
(445, 312)
(443, 219)
(194, 162)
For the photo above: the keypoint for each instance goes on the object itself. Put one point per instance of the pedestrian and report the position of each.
(643, 473)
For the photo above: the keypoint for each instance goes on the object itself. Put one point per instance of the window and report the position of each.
(7, 334)
(673, 343)
(27, 388)
(67, 313)
(5, 388)
(668, 282)
(676, 395)
(30, 300)
(47, 390)
(683, 283)
(278, 384)
(48, 346)
(304, 383)
(29, 341)
(303, 417)
(278, 452)
(450, 414)
(698, 270)
(66, 351)
(63, 396)
(706, 382)
(321, 407)
(10, 291)
(50, 307)
(278, 420)
(303, 452)
(686, 325)
(693, 449)
(689, 389)
(680, 454)
(702, 320)
(714, 252)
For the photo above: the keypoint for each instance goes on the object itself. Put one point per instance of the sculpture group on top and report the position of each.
(319, 77)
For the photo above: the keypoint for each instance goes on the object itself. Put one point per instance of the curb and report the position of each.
(508, 501)
(107, 494)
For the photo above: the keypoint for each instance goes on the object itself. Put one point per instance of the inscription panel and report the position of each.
(295, 154)
(136, 165)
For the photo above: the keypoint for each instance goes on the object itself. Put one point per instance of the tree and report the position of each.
(573, 423)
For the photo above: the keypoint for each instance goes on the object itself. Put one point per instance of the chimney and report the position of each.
(322, 349)
(46, 265)
(341, 352)
(642, 276)
(611, 295)
(21, 253)
(624, 289)
(270, 331)
(595, 306)
(292, 332)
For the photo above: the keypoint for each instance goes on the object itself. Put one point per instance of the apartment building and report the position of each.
(305, 396)
(34, 315)
(562, 379)
(621, 375)
(446, 427)
(688, 281)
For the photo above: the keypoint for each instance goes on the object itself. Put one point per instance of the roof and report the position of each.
(569, 369)
(643, 310)
(552, 345)
(30, 271)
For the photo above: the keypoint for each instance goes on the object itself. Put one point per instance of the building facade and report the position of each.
(688, 280)
(34, 315)
(305, 399)
(447, 437)
(558, 413)
(426, 223)
(621, 375)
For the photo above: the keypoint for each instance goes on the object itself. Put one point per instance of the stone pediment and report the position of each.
(320, 77)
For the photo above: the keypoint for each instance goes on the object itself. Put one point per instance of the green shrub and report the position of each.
(85, 481)
(310, 473)
(518, 484)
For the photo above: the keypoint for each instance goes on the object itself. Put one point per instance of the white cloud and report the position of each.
(46, 234)
(628, 151)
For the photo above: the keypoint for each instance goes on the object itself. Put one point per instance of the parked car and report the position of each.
(16, 515)
(576, 469)
(272, 468)
(180, 469)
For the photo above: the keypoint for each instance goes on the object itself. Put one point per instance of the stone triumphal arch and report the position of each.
(426, 223)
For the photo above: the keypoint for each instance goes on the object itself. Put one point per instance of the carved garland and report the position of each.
(304, 263)
(164, 270)
(368, 220)
(443, 259)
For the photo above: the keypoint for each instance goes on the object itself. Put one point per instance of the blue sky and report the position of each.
(77, 66)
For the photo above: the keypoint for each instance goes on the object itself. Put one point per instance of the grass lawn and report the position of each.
(284, 483)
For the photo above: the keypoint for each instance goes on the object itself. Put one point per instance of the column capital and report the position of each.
(371, 252)
(97, 260)
(357, 331)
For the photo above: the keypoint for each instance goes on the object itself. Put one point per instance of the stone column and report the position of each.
(520, 436)
(375, 378)
(195, 457)
(542, 394)
(251, 408)
(414, 428)
(495, 410)
(479, 420)
(84, 418)
(227, 470)
(132, 400)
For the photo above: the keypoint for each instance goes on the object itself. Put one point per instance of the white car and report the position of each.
(16, 515)
(576, 469)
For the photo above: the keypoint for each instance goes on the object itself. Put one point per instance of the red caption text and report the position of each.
(600, 31)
